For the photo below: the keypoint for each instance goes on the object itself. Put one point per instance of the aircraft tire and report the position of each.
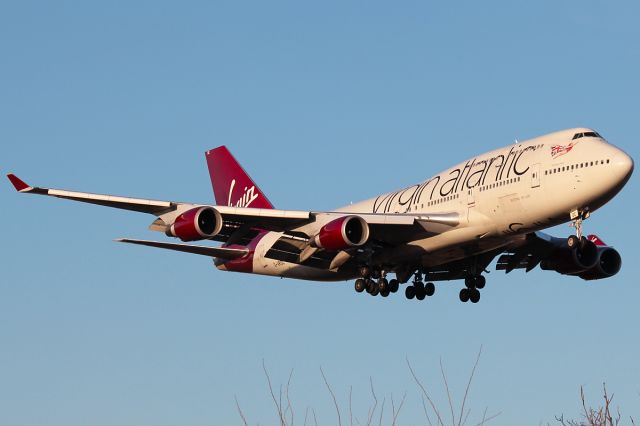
(394, 285)
(474, 295)
(430, 289)
(464, 295)
(421, 294)
(573, 241)
(384, 293)
(383, 285)
(360, 285)
(410, 292)
(469, 282)
(481, 281)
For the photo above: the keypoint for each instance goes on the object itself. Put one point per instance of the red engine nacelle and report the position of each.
(196, 224)
(609, 263)
(342, 233)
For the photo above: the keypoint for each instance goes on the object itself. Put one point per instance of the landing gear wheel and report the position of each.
(360, 285)
(420, 293)
(394, 285)
(375, 291)
(573, 242)
(383, 285)
(464, 295)
(429, 289)
(481, 281)
(410, 292)
(384, 293)
(371, 286)
(474, 295)
(469, 281)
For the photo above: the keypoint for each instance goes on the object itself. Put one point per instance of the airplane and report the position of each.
(449, 227)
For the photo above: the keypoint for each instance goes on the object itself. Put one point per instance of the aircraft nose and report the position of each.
(623, 165)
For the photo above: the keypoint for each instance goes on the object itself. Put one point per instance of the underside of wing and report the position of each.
(218, 252)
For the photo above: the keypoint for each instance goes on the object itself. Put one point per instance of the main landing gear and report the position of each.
(418, 289)
(375, 283)
(473, 285)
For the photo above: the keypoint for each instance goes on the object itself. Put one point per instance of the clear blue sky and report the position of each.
(324, 103)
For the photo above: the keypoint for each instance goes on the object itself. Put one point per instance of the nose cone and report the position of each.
(622, 166)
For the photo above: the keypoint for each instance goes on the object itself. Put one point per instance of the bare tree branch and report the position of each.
(397, 413)
(424, 407)
(424, 392)
(488, 419)
(375, 405)
(335, 401)
(446, 386)
(289, 406)
(484, 417)
(273, 396)
(244, 420)
(381, 411)
(466, 392)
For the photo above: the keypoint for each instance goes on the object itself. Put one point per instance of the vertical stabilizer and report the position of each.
(232, 186)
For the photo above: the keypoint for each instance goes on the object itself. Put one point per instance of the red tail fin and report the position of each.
(232, 186)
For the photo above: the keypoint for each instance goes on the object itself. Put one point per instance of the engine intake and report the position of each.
(342, 233)
(196, 224)
(608, 264)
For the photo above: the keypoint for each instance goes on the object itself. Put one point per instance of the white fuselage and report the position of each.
(508, 192)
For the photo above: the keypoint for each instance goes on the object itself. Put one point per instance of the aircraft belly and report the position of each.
(263, 265)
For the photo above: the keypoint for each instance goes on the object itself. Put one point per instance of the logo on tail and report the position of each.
(247, 198)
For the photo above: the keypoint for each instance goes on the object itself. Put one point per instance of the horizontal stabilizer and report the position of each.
(219, 252)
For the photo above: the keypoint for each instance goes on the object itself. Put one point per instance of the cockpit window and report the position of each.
(586, 135)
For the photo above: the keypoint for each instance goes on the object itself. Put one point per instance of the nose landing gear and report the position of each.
(577, 217)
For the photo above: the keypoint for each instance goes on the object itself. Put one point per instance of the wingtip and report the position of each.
(18, 183)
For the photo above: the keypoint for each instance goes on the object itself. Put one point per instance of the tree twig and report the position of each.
(424, 392)
(335, 401)
(375, 405)
(273, 396)
(244, 420)
(446, 386)
(397, 413)
(473, 371)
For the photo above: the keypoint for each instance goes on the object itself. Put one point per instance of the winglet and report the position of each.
(18, 183)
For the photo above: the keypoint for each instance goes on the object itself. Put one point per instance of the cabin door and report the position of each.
(535, 175)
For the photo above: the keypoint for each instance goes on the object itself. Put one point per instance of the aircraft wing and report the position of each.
(388, 228)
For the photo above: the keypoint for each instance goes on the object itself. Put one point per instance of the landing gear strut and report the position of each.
(577, 217)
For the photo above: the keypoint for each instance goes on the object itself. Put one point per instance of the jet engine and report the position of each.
(571, 259)
(608, 264)
(342, 233)
(196, 224)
